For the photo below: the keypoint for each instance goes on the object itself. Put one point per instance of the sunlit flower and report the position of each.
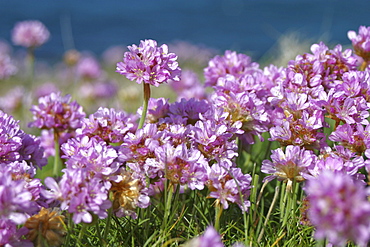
(149, 63)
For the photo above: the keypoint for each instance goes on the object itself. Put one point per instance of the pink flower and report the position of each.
(30, 34)
(149, 63)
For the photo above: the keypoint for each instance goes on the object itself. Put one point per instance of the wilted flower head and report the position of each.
(338, 208)
(128, 194)
(361, 42)
(149, 63)
(30, 34)
(48, 225)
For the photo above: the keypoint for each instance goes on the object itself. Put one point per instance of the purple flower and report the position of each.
(188, 111)
(15, 199)
(80, 193)
(11, 235)
(246, 108)
(182, 166)
(157, 110)
(7, 67)
(210, 238)
(215, 141)
(354, 137)
(189, 86)
(340, 159)
(32, 152)
(93, 156)
(10, 138)
(57, 112)
(361, 42)
(338, 208)
(229, 185)
(291, 165)
(30, 34)
(232, 63)
(149, 63)
(140, 146)
(323, 67)
(88, 68)
(108, 124)
(98, 90)
(13, 100)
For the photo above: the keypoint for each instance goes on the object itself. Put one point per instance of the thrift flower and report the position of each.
(361, 42)
(210, 238)
(12, 235)
(232, 63)
(88, 68)
(229, 185)
(291, 165)
(57, 112)
(30, 33)
(338, 208)
(149, 63)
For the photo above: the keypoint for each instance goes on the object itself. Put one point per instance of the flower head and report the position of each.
(57, 112)
(338, 208)
(291, 165)
(149, 63)
(47, 223)
(361, 42)
(30, 34)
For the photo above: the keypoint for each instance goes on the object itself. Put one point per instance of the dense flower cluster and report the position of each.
(339, 208)
(149, 63)
(361, 42)
(316, 108)
(30, 34)
(57, 112)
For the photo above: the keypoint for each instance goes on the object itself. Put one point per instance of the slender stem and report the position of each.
(218, 213)
(56, 169)
(31, 65)
(108, 223)
(82, 232)
(146, 88)
(363, 66)
(269, 213)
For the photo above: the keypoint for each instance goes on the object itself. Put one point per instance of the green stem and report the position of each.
(108, 223)
(56, 169)
(146, 88)
(218, 213)
(82, 232)
(31, 65)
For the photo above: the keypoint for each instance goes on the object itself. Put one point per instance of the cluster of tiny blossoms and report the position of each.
(111, 162)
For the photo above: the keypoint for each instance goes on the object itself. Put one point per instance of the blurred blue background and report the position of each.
(251, 26)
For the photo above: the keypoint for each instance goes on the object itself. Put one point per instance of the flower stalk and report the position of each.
(146, 88)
